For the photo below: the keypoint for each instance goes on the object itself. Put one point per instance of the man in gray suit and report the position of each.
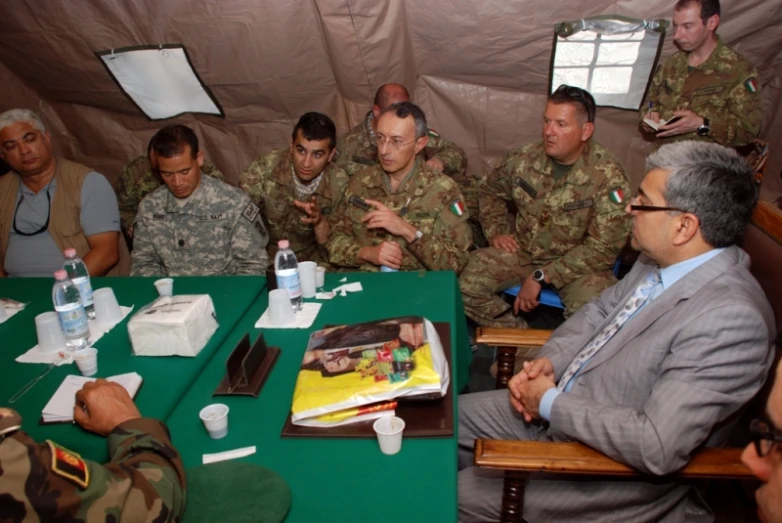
(656, 367)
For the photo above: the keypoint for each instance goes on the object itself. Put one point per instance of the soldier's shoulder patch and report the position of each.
(617, 195)
(433, 133)
(250, 212)
(457, 207)
(751, 85)
(69, 465)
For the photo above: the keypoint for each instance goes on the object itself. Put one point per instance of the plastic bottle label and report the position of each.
(73, 320)
(289, 279)
(85, 289)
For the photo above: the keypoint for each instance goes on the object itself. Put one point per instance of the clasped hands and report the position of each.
(387, 253)
(528, 387)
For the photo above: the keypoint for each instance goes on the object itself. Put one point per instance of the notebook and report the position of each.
(656, 125)
(60, 406)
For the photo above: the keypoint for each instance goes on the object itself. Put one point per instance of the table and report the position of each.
(166, 379)
(336, 479)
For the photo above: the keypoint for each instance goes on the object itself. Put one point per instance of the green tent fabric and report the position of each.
(235, 492)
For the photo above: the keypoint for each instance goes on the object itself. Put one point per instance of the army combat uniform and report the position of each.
(217, 231)
(270, 184)
(144, 481)
(137, 180)
(724, 89)
(572, 228)
(428, 200)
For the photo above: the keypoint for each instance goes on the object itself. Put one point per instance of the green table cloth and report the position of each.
(166, 379)
(333, 479)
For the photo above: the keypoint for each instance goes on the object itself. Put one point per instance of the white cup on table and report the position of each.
(320, 277)
(87, 361)
(165, 286)
(49, 331)
(215, 418)
(307, 278)
(107, 310)
(389, 431)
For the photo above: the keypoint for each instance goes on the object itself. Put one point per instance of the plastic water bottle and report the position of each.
(286, 268)
(73, 318)
(80, 277)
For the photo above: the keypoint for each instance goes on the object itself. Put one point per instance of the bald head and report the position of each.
(389, 94)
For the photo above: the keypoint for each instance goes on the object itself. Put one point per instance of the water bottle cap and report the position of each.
(60, 275)
(283, 244)
(70, 253)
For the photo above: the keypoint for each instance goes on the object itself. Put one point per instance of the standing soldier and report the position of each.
(297, 189)
(401, 214)
(570, 195)
(711, 91)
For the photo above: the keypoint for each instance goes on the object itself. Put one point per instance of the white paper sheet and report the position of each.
(304, 318)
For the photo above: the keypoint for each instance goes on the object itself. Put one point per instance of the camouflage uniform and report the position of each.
(572, 228)
(269, 182)
(218, 231)
(137, 180)
(144, 481)
(434, 207)
(724, 89)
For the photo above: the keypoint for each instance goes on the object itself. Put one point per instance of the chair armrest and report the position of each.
(576, 458)
(512, 337)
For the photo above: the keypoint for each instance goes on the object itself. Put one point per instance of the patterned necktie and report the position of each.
(633, 304)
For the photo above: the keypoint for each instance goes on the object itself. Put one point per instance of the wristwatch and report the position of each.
(418, 235)
(704, 129)
(539, 276)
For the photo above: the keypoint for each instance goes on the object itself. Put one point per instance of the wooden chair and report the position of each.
(519, 459)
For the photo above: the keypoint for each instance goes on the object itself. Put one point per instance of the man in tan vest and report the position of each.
(49, 204)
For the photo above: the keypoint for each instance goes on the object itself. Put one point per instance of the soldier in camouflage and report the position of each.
(144, 481)
(401, 214)
(139, 178)
(571, 224)
(299, 188)
(195, 225)
(712, 90)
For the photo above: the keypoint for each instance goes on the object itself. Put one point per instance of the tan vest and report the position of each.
(64, 224)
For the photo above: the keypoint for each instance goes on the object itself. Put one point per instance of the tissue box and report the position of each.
(173, 326)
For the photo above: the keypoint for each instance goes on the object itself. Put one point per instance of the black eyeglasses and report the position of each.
(580, 95)
(48, 216)
(764, 436)
(651, 208)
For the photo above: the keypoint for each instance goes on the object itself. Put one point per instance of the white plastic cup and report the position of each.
(280, 308)
(307, 278)
(87, 361)
(165, 286)
(107, 311)
(49, 331)
(320, 277)
(215, 418)
(389, 434)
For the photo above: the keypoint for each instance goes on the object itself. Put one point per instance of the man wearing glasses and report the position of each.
(657, 366)
(49, 204)
(195, 225)
(764, 455)
(570, 224)
(401, 214)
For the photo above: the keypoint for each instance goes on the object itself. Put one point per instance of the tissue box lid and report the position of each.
(173, 310)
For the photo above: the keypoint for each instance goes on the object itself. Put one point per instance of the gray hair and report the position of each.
(405, 109)
(14, 116)
(712, 182)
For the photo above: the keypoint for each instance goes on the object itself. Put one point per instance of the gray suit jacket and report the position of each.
(673, 379)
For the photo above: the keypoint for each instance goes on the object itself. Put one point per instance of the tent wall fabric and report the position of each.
(478, 69)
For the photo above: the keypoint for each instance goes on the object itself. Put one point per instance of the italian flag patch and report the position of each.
(751, 85)
(457, 207)
(617, 196)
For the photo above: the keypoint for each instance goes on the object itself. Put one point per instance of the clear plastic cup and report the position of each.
(165, 286)
(389, 434)
(280, 308)
(49, 331)
(307, 278)
(87, 361)
(215, 418)
(320, 277)
(107, 310)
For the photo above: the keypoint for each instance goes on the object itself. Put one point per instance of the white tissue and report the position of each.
(173, 326)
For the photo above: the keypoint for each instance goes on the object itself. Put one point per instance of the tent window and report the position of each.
(160, 80)
(611, 58)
